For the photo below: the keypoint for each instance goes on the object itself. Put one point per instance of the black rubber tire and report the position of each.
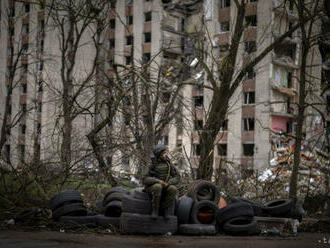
(74, 209)
(131, 204)
(116, 196)
(140, 195)
(115, 190)
(200, 205)
(100, 207)
(144, 224)
(241, 226)
(234, 210)
(279, 207)
(78, 219)
(258, 209)
(196, 229)
(104, 221)
(65, 198)
(204, 190)
(184, 210)
(113, 209)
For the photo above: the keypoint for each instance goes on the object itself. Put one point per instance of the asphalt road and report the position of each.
(51, 239)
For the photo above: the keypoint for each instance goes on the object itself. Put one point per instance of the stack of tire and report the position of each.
(112, 207)
(237, 218)
(198, 210)
(136, 216)
(69, 205)
(276, 208)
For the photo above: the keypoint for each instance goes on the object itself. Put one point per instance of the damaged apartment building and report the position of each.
(261, 107)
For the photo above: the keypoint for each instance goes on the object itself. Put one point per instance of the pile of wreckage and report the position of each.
(313, 173)
(200, 211)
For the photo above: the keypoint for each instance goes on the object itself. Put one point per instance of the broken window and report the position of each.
(250, 46)
(23, 88)
(198, 101)
(128, 60)
(289, 79)
(147, 16)
(224, 125)
(23, 128)
(224, 26)
(25, 29)
(251, 74)
(251, 20)
(129, 20)
(25, 48)
(249, 97)
(111, 43)
(197, 149)
(27, 7)
(25, 68)
(222, 149)
(147, 37)
(248, 124)
(146, 57)
(40, 86)
(198, 124)
(129, 40)
(224, 3)
(248, 150)
(112, 23)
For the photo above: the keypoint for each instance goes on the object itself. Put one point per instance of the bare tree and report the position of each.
(224, 78)
(77, 23)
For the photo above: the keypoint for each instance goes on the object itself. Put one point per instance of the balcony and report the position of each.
(251, 9)
(284, 61)
(284, 90)
(147, 27)
(250, 34)
(222, 137)
(224, 14)
(247, 136)
(223, 38)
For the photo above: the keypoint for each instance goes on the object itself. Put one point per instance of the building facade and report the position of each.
(262, 107)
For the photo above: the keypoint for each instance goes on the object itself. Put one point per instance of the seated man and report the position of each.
(160, 181)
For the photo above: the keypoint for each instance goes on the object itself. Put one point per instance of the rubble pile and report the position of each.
(313, 172)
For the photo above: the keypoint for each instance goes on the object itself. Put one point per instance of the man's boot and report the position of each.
(167, 213)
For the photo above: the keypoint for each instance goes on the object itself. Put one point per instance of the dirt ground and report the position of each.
(52, 239)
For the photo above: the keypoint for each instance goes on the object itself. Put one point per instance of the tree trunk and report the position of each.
(217, 116)
(301, 103)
